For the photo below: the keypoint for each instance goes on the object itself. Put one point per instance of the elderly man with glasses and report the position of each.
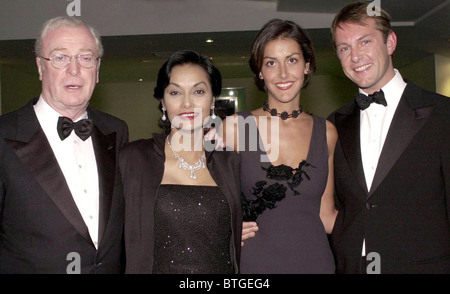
(61, 202)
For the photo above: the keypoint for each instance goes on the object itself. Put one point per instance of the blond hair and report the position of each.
(357, 13)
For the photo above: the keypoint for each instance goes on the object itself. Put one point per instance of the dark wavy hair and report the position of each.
(179, 58)
(275, 29)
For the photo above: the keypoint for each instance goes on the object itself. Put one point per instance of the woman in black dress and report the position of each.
(286, 161)
(182, 203)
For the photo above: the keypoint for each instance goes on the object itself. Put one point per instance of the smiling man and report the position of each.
(392, 159)
(61, 202)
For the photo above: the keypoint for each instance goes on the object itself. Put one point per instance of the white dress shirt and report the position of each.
(76, 159)
(375, 123)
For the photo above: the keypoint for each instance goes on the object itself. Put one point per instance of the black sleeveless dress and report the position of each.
(285, 203)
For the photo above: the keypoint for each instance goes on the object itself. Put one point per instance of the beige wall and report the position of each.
(442, 75)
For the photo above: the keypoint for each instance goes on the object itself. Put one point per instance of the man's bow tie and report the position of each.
(364, 101)
(83, 128)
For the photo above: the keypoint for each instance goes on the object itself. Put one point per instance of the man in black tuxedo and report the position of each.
(392, 160)
(61, 202)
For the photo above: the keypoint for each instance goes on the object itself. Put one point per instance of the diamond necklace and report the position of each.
(183, 164)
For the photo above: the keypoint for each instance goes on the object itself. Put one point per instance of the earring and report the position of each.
(164, 117)
(213, 115)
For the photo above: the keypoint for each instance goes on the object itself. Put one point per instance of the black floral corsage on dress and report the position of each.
(268, 195)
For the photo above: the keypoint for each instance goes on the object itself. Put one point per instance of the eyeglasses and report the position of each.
(59, 61)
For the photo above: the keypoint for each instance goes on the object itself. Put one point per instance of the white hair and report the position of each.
(65, 21)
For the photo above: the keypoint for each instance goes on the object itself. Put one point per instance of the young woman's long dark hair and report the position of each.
(273, 30)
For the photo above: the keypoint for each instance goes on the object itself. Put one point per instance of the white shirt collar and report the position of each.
(393, 90)
(48, 117)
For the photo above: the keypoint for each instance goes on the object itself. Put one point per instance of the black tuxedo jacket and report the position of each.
(40, 223)
(405, 217)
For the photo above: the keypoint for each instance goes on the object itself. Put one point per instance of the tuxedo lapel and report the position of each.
(408, 120)
(348, 127)
(32, 148)
(105, 151)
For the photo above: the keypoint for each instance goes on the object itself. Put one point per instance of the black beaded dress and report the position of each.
(192, 231)
(285, 202)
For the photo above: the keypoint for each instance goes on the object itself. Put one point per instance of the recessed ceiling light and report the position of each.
(209, 40)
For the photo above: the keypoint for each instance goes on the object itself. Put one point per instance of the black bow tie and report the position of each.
(83, 128)
(364, 101)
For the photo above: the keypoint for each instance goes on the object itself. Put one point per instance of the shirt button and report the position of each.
(85, 191)
(369, 206)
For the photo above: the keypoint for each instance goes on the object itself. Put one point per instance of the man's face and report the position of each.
(69, 89)
(365, 56)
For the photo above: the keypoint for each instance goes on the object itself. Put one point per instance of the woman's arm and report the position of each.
(328, 210)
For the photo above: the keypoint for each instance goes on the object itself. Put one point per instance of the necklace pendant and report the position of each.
(184, 165)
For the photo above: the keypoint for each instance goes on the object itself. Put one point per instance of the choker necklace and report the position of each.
(284, 115)
(183, 164)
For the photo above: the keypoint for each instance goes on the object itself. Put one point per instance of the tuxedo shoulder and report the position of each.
(345, 109)
(140, 144)
(108, 123)
(441, 99)
(8, 123)
(139, 151)
(443, 103)
(8, 117)
(423, 96)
